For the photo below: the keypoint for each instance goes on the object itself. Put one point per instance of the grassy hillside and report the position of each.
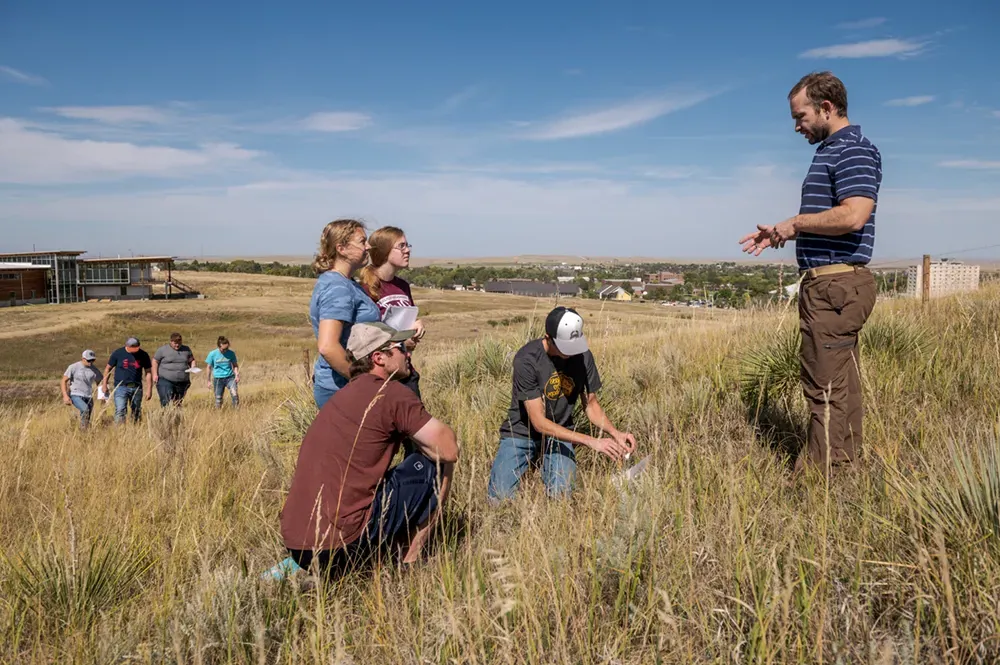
(144, 544)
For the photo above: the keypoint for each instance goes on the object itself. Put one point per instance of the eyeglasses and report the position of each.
(403, 246)
(395, 345)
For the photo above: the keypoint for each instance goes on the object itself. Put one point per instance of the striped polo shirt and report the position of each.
(846, 164)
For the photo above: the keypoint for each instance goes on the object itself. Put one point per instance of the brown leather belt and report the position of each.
(832, 269)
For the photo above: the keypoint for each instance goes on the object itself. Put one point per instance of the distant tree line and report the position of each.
(250, 267)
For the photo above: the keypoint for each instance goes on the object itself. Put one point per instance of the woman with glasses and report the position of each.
(388, 253)
(338, 302)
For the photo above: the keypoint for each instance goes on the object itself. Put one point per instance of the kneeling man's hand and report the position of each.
(625, 439)
(610, 447)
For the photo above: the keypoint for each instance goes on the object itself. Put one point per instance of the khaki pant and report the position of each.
(832, 311)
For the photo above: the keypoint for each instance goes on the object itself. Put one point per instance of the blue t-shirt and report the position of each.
(129, 366)
(338, 298)
(221, 363)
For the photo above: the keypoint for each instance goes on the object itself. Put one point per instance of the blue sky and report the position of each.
(482, 129)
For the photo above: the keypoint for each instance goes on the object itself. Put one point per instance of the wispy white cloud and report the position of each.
(668, 172)
(17, 76)
(568, 215)
(460, 98)
(863, 24)
(917, 100)
(115, 115)
(548, 168)
(875, 48)
(336, 121)
(29, 156)
(975, 164)
(996, 114)
(615, 118)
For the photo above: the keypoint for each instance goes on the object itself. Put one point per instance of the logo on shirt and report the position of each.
(130, 364)
(559, 384)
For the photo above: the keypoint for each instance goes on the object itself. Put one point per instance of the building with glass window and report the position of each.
(63, 281)
(130, 278)
(23, 284)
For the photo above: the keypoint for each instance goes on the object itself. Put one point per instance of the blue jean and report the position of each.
(125, 396)
(171, 391)
(85, 405)
(322, 394)
(515, 455)
(220, 384)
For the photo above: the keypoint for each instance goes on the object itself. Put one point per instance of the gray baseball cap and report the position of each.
(89, 355)
(366, 338)
(132, 341)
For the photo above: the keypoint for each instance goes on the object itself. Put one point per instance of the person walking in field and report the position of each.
(132, 367)
(337, 303)
(346, 505)
(78, 384)
(550, 375)
(224, 372)
(388, 253)
(171, 363)
(834, 235)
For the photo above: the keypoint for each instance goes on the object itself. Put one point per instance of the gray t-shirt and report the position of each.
(173, 363)
(82, 379)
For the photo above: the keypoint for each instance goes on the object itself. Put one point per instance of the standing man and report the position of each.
(170, 364)
(225, 372)
(345, 504)
(132, 374)
(78, 386)
(550, 375)
(834, 235)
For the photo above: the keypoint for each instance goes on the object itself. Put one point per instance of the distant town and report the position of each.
(66, 276)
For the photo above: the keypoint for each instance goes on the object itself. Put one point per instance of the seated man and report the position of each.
(345, 504)
(550, 374)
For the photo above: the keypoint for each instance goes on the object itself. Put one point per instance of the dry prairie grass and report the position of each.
(144, 544)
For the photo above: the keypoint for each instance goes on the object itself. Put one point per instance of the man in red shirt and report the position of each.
(345, 504)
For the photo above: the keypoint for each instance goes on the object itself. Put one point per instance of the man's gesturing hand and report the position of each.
(756, 242)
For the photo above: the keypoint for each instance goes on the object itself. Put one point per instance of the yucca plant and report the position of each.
(770, 375)
(963, 500)
(896, 337)
(61, 589)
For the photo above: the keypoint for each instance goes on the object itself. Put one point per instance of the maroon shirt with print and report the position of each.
(395, 293)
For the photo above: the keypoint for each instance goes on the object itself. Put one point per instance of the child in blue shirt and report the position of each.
(225, 372)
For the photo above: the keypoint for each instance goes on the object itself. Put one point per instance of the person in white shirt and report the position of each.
(78, 383)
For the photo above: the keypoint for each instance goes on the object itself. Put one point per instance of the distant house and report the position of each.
(614, 292)
(131, 278)
(528, 288)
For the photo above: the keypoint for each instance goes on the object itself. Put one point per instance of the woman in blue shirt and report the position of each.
(338, 302)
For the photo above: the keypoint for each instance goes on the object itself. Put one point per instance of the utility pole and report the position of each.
(926, 286)
(781, 281)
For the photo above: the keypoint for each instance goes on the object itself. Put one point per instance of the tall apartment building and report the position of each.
(946, 277)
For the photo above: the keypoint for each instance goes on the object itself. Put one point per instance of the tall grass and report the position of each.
(145, 543)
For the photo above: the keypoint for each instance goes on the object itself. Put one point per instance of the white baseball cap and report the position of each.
(565, 327)
(89, 355)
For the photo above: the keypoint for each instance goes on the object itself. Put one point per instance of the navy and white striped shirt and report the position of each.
(846, 164)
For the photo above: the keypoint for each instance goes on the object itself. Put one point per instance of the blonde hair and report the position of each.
(338, 232)
(380, 244)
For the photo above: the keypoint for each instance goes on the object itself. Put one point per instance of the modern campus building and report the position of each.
(63, 277)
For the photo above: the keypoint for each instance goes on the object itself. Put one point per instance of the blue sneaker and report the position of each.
(283, 570)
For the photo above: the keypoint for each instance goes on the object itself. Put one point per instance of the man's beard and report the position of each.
(818, 135)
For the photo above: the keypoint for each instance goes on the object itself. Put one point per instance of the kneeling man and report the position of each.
(345, 504)
(550, 375)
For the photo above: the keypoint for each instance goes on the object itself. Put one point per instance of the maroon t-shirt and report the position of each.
(344, 455)
(395, 293)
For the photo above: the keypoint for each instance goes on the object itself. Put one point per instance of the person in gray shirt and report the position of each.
(78, 386)
(171, 363)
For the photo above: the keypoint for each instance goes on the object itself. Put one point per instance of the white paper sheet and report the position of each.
(193, 370)
(400, 318)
